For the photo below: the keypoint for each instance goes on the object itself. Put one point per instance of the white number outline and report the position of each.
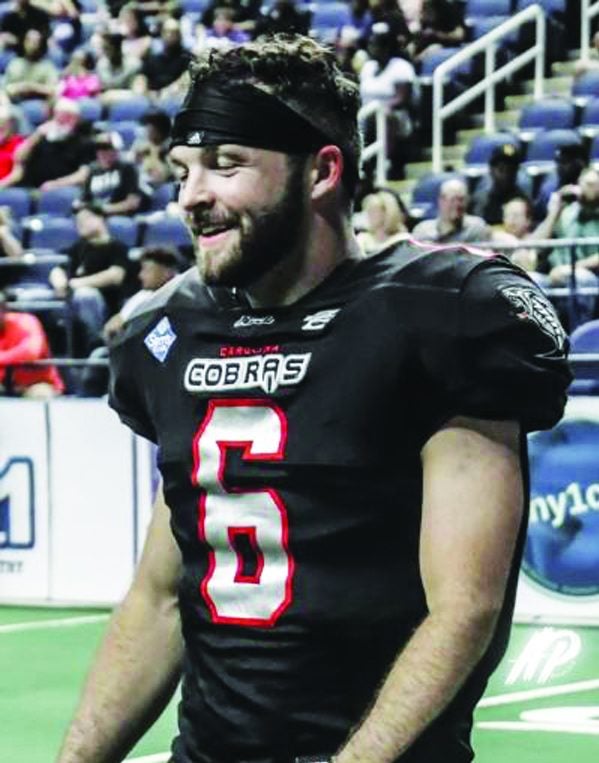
(246, 445)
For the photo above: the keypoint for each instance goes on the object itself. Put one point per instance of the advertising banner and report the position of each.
(24, 507)
(560, 571)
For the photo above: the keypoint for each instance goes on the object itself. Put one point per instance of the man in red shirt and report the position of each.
(9, 141)
(22, 340)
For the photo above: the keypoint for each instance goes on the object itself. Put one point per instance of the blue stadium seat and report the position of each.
(585, 339)
(91, 109)
(328, 17)
(18, 200)
(193, 6)
(58, 201)
(166, 230)
(433, 58)
(589, 118)
(543, 147)
(125, 229)
(56, 233)
(585, 87)
(480, 8)
(128, 130)
(131, 109)
(552, 7)
(34, 111)
(162, 196)
(480, 149)
(481, 25)
(546, 114)
(170, 105)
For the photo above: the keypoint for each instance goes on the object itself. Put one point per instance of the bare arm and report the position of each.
(124, 207)
(472, 506)
(10, 245)
(75, 178)
(137, 667)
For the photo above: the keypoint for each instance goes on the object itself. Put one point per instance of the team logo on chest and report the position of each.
(265, 372)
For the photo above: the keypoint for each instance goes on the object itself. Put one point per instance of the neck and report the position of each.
(329, 243)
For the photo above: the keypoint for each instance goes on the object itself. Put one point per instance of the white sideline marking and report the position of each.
(63, 622)
(565, 728)
(159, 757)
(549, 691)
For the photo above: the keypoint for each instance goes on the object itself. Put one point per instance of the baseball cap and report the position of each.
(505, 152)
(108, 140)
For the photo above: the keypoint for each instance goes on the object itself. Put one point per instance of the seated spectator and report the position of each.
(389, 78)
(385, 218)
(137, 40)
(441, 25)
(150, 152)
(67, 32)
(113, 182)
(165, 70)
(31, 75)
(15, 24)
(591, 63)
(79, 78)
(570, 160)
(10, 140)
(23, 340)
(10, 246)
(574, 219)
(116, 71)
(224, 31)
(390, 13)
(499, 186)
(452, 223)
(282, 16)
(518, 224)
(96, 278)
(57, 149)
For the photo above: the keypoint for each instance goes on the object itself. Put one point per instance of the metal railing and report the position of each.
(588, 11)
(488, 44)
(378, 148)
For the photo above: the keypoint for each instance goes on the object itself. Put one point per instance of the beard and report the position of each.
(267, 236)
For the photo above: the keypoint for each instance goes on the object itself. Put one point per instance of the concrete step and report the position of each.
(516, 102)
(465, 137)
(505, 120)
(563, 68)
(551, 86)
(416, 170)
(450, 153)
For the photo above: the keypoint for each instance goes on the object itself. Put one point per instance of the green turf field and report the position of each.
(542, 705)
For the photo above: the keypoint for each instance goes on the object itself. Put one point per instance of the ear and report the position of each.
(327, 171)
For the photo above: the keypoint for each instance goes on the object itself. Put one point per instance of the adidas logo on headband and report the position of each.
(195, 138)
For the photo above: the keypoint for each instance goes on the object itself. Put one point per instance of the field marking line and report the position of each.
(159, 757)
(63, 622)
(548, 691)
(562, 728)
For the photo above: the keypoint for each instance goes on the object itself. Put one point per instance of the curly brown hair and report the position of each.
(301, 73)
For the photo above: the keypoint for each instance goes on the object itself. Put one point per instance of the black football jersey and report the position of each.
(289, 445)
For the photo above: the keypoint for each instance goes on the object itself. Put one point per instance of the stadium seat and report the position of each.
(327, 18)
(479, 152)
(480, 8)
(162, 196)
(165, 230)
(56, 233)
(585, 339)
(128, 130)
(433, 58)
(58, 201)
(5, 57)
(589, 119)
(91, 109)
(546, 114)
(481, 25)
(585, 87)
(34, 111)
(131, 109)
(552, 7)
(542, 149)
(18, 200)
(193, 6)
(170, 105)
(125, 229)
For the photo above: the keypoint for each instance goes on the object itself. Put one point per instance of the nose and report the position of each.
(195, 191)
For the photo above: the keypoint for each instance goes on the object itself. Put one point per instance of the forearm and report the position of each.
(422, 682)
(133, 677)
(10, 245)
(128, 205)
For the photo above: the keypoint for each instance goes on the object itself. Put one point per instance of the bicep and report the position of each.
(159, 568)
(471, 513)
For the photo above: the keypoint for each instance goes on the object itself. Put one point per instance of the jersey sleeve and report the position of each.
(507, 358)
(125, 394)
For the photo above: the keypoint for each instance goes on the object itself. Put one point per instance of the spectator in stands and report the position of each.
(79, 79)
(389, 78)
(113, 182)
(282, 16)
(31, 75)
(166, 70)
(441, 25)
(517, 226)
(150, 151)
(10, 140)
(591, 63)
(67, 31)
(137, 40)
(499, 186)
(390, 13)
(54, 152)
(23, 340)
(116, 71)
(10, 246)
(579, 218)
(385, 220)
(97, 276)
(570, 160)
(15, 24)
(224, 30)
(452, 223)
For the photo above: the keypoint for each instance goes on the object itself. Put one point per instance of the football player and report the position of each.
(332, 562)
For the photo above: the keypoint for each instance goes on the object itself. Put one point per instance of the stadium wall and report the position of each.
(76, 491)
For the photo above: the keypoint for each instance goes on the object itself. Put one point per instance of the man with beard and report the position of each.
(341, 443)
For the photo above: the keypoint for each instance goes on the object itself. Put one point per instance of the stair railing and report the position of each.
(588, 11)
(488, 44)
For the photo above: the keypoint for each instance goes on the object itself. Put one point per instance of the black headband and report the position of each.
(246, 116)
